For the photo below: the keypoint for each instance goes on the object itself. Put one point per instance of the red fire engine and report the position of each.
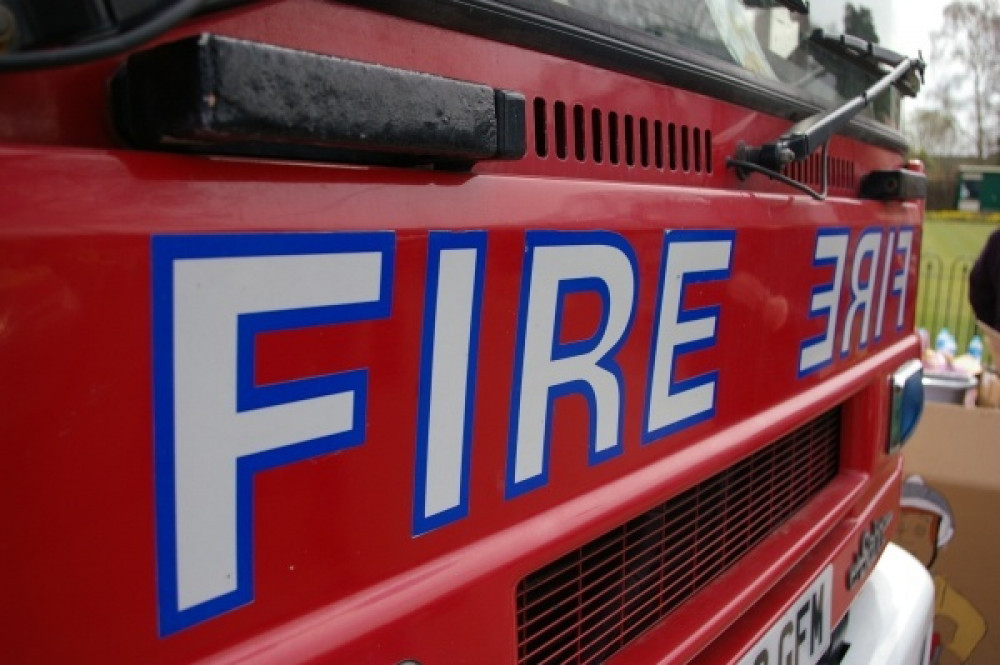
(456, 331)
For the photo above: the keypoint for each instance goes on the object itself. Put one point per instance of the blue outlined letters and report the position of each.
(866, 254)
(558, 264)
(904, 247)
(688, 257)
(214, 427)
(449, 349)
(831, 251)
(878, 263)
(566, 328)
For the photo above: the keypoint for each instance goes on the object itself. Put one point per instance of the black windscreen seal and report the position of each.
(559, 30)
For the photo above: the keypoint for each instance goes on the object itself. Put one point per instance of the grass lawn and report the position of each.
(949, 248)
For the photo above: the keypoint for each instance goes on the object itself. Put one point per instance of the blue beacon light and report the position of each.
(907, 403)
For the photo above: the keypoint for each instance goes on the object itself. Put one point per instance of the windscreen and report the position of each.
(767, 40)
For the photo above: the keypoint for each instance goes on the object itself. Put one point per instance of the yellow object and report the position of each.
(970, 627)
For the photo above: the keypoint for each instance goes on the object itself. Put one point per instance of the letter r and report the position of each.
(557, 265)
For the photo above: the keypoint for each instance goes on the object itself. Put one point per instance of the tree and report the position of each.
(932, 132)
(967, 50)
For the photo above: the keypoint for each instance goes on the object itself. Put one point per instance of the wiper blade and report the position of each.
(866, 55)
(798, 6)
(806, 136)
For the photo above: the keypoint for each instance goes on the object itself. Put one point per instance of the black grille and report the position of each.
(587, 605)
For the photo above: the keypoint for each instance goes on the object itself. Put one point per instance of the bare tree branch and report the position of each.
(966, 47)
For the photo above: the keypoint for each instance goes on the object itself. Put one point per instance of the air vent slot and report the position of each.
(587, 605)
(541, 128)
(611, 138)
(810, 172)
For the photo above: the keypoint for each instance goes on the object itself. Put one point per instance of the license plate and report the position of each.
(802, 635)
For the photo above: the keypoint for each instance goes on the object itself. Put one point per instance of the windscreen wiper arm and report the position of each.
(806, 136)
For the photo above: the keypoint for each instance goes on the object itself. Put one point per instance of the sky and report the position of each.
(903, 26)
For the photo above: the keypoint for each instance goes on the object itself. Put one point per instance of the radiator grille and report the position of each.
(590, 603)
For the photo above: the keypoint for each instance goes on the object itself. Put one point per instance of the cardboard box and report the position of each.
(951, 500)
(989, 390)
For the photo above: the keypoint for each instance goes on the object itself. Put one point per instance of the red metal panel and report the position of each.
(77, 352)
(339, 575)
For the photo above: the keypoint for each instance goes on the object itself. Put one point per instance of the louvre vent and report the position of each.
(610, 138)
(810, 172)
(589, 604)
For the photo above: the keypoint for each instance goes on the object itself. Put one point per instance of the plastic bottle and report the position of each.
(945, 342)
(976, 347)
